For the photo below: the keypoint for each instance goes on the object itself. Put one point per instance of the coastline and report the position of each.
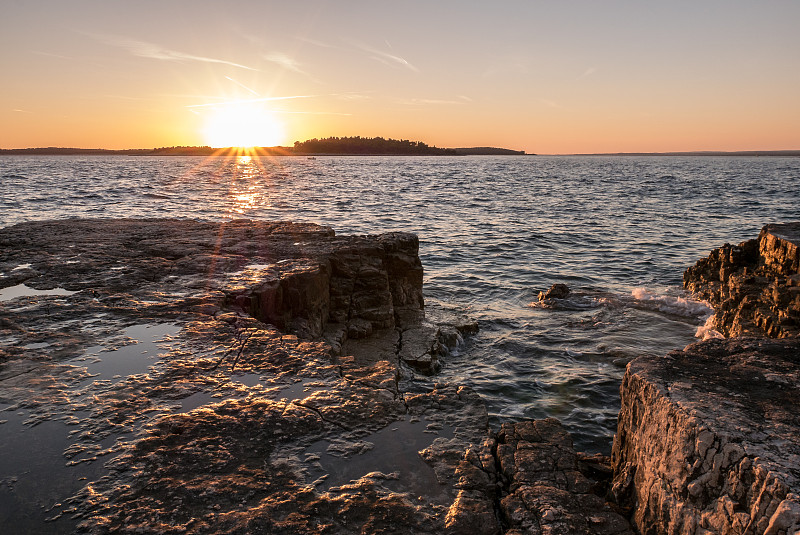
(323, 377)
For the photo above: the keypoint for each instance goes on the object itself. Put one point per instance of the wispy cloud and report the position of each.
(588, 72)
(306, 112)
(49, 54)
(240, 84)
(153, 51)
(384, 57)
(285, 61)
(550, 103)
(431, 102)
(315, 42)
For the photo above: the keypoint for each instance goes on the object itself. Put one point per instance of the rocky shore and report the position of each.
(277, 395)
(255, 377)
(708, 438)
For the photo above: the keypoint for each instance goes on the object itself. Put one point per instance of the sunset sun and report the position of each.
(242, 125)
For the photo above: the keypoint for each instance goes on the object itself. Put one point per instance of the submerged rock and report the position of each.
(754, 287)
(556, 291)
(708, 439)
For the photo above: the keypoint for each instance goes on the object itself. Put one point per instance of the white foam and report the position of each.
(679, 306)
(707, 331)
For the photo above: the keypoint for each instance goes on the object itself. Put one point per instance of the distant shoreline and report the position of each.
(289, 151)
(315, 147)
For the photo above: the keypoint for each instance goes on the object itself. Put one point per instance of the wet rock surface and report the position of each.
(754, 287)
(708, 439)
(240, 377)
(556, 291)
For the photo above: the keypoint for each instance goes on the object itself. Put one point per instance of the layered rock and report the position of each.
(754, 287)
(707, 438)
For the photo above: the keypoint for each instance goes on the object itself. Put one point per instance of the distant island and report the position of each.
(331, 146)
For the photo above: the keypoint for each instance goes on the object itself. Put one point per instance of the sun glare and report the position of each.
(241, 125)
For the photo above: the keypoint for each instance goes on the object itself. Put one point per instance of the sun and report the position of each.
(242, 125)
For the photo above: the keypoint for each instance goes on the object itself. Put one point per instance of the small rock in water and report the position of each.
(556, 291)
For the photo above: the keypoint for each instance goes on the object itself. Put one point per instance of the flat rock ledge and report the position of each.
(754, 287)
(174, 376)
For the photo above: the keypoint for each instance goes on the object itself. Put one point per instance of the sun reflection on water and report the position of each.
(246, 191)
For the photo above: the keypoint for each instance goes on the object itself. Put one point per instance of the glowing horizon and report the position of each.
(538, 77)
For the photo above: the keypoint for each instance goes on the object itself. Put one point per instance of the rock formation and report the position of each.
(556, 291)
(754, 287)
(708, 441)
(707, 438)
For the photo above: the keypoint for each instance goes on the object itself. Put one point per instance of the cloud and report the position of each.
(588, 72)
(383, 57)
(285, 61)
(550, 103)
(240, 84)
(153, 51)
(315, 42)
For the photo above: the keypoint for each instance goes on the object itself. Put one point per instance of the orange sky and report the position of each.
(543, 77)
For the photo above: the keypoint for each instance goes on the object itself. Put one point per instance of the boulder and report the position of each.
(545, 491)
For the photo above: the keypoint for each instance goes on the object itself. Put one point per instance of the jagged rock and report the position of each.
(556, 291)
(546, 493)
(709, 439)
(754, 287)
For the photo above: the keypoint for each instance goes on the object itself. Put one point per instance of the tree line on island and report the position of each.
(338, 146)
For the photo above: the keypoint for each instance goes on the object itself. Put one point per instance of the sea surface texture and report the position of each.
(494, 231)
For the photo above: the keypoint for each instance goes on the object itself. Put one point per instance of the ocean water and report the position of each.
(494, 231)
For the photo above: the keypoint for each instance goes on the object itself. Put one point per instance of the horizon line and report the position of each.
(707, 152)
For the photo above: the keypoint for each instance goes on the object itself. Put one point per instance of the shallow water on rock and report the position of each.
(494, 232)
(35, 477)
(20, 290)
(116, 364)
(392, 451)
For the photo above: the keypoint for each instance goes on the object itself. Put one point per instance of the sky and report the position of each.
(550, 77)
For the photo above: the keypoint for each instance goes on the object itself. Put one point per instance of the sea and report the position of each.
(494, 231)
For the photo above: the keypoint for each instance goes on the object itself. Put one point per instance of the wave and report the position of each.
(676, 306)
(707, 331)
